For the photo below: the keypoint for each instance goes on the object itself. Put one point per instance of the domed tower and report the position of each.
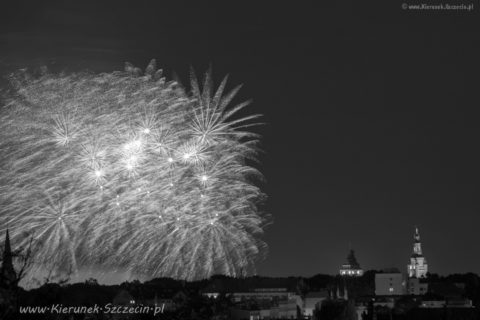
(352, 267)
(418, 266)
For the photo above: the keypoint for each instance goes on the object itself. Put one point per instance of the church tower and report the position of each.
(8, 283)
(352, 267)
(418, 266)
(7, 272)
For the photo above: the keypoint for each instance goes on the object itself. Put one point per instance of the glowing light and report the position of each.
(133, 145)
(131, 162)
(66, 135)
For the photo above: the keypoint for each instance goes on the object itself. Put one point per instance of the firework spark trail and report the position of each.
(130, 171)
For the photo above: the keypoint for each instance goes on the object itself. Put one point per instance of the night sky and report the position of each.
(371, 112)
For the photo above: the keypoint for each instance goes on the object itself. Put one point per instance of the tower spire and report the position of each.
(352, 267)
(7, 272)
(418, 264)
(417, 246)
(416, 236)
(7, 251)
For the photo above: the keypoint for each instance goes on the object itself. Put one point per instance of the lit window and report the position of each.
(390, 289)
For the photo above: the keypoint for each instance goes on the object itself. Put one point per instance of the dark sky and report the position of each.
(371, 111)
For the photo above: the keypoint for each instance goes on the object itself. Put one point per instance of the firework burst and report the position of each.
(130, 171)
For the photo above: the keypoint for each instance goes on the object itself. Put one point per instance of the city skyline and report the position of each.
(370, 113)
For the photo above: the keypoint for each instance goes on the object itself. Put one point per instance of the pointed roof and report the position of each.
(352, 260)
(7, 272)
(7, 251)
(417, 246)
(416, 236)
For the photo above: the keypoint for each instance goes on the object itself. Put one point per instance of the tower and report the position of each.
(418, 266)
(7, 272)
(8, 283)
(352, 267)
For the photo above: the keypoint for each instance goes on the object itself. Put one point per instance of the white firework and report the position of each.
(130, 171)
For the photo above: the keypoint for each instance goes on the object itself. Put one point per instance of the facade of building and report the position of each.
(267, 308)
(389, 284)
(418, 266)
(264, 294)
(442, 303)
(352, 267)
(416, 287)
(243, 314)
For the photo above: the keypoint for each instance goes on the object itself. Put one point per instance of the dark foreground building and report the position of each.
(8, 283)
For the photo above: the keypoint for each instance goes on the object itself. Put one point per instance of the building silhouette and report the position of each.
(389, 283)
(418, 266)
(352, 267)
(8, 275)
(8, 283)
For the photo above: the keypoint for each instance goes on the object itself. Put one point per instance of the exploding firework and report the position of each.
(126, 170)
